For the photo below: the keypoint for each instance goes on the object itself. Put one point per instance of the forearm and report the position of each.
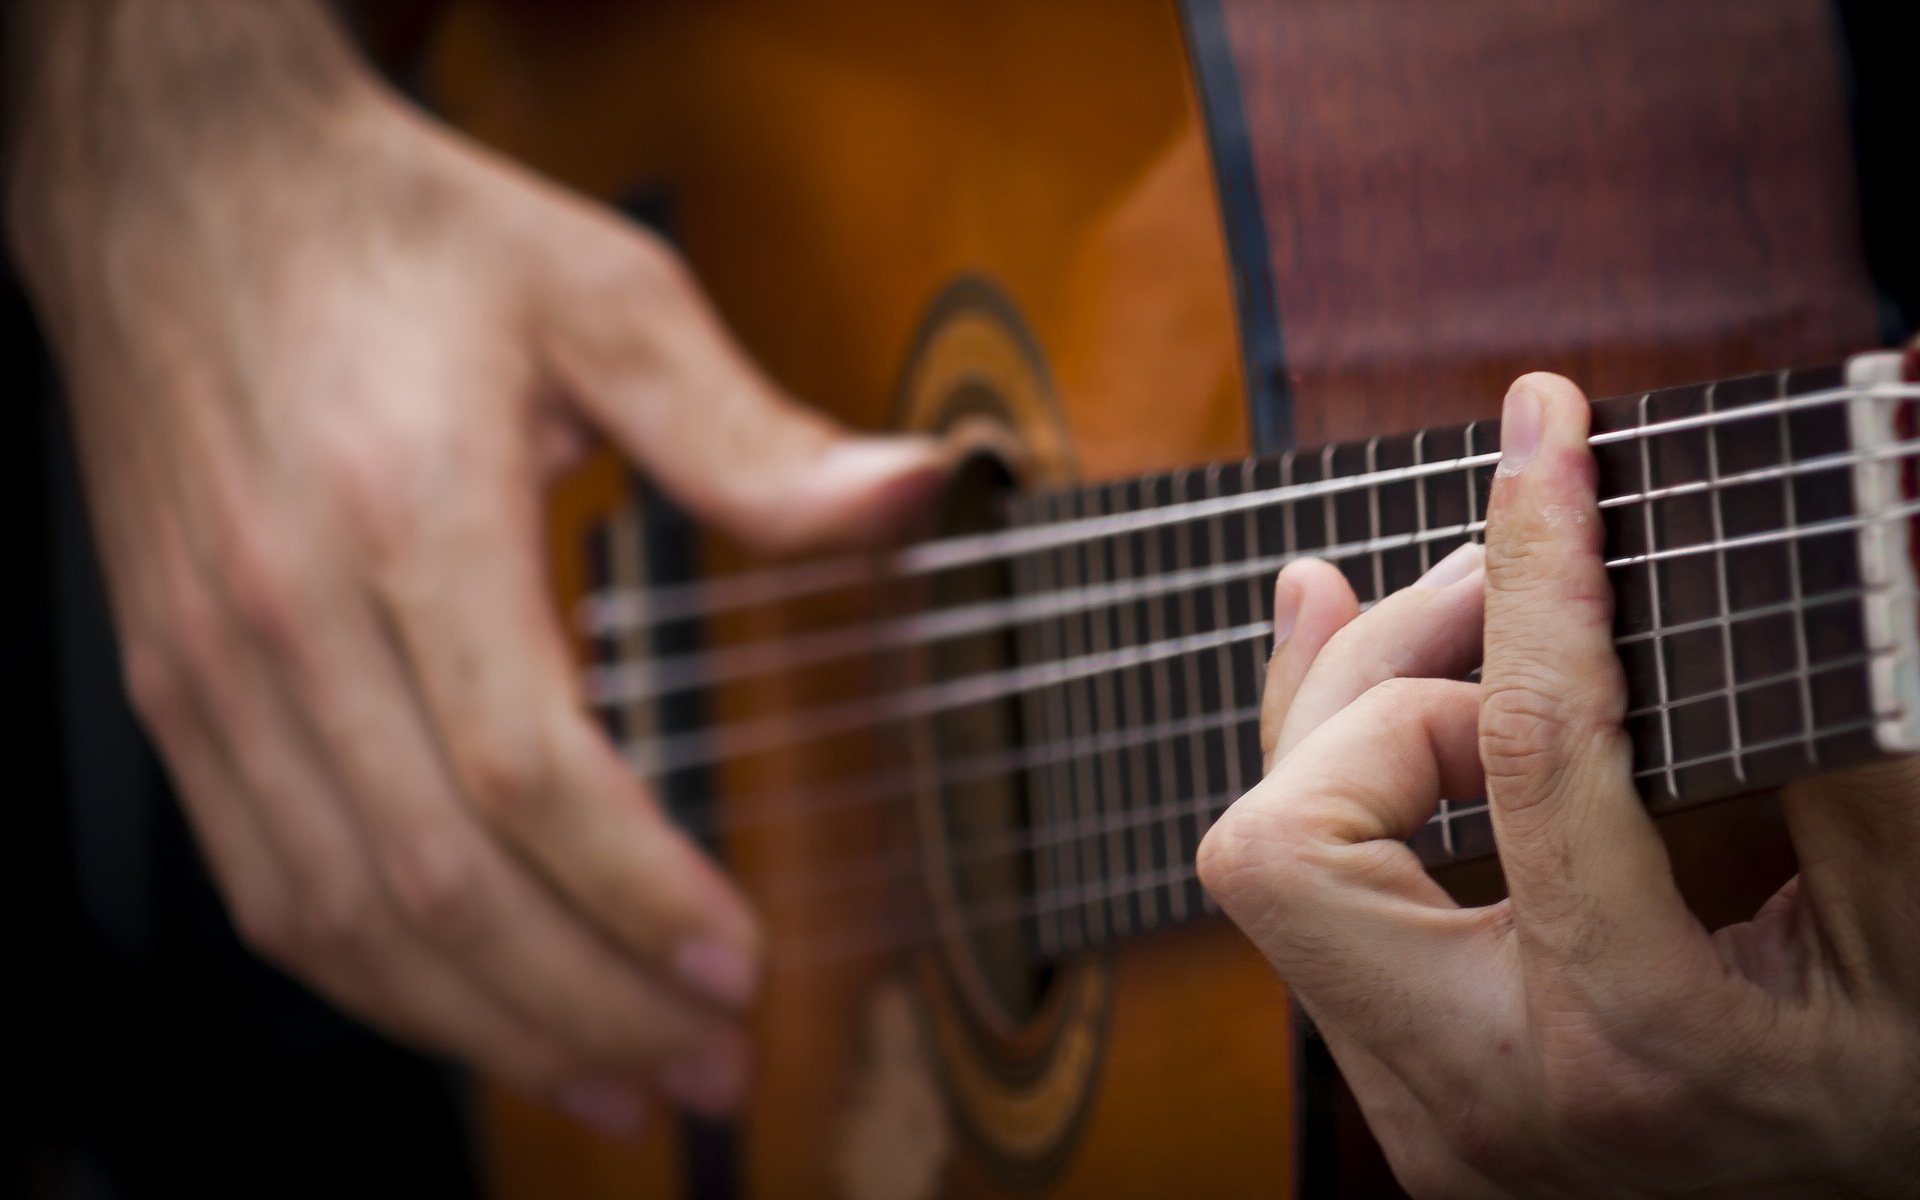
(103, 92)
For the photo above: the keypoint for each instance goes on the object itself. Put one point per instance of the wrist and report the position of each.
(119, 99)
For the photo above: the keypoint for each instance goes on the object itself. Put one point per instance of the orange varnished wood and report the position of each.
(534, 1150)
(832, 166)
(1634, 194)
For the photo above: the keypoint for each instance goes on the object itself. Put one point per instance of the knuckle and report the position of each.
(364, 474)
(1248, 854)
(1515, 540)
(264, 925)
(1400, 694)
(509, 772)
(152, 681)
(1543, 546)
(1522, 727)
(439, 891)
(1359, 649)
(1529, 569)
(261, 589)
(1221, 858)
(641, 273)
(648, 268)
(337, 917)
(1535, 728)
(195, 631)
(1226, 855)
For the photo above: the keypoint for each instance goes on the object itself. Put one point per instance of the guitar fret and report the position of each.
(1139, 790)
(1864, 725)
(1088, 800)
(1291, 526)
(1420, 501)
(1844, 662)
(1106, 705)
(1260, 606)
(1033, 729)
(1470, 442)
(1373, 520)
(1330, 511)
(1072, 927)
(1167, 775)
(1444, 814)
(1720, 583)
(605, 647)
(1653, 601)
(638, 716)
(1473, 496)
(1796, 590)
(1194, 782)
(1217, 542)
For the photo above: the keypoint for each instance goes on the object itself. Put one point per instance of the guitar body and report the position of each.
(1125, 237)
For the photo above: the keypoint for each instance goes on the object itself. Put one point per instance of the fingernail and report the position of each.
(711, 1085)
(1519, 429)
(1286, 609)
(1464, 561)
(717, 971)
(612, 1108)
(857, 462)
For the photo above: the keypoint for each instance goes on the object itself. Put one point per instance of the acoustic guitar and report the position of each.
(1100, 241)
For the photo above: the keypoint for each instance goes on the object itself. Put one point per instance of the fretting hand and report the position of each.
(1587, 1036)
(322, 356)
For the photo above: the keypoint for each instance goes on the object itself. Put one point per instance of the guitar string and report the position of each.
(880, 785)
(807, 951)
(1729, 481)
(741, 738)
(648, 679)
(908, 861)
(1105, 889)
(650, 606)
(751, 812)
(762, 810)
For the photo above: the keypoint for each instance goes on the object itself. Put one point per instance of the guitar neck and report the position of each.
(1757, 542)
(1760, 542)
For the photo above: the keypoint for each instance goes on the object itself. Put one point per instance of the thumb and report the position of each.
(635, 345)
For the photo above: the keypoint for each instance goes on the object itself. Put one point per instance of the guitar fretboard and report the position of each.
(1733, 548)
(1066, 701)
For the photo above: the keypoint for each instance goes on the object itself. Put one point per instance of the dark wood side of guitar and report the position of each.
(1632, 194)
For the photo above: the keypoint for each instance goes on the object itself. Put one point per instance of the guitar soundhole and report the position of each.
(976, 801)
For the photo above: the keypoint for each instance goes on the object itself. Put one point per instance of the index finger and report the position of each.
(1313, 865)
(1586, 869)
